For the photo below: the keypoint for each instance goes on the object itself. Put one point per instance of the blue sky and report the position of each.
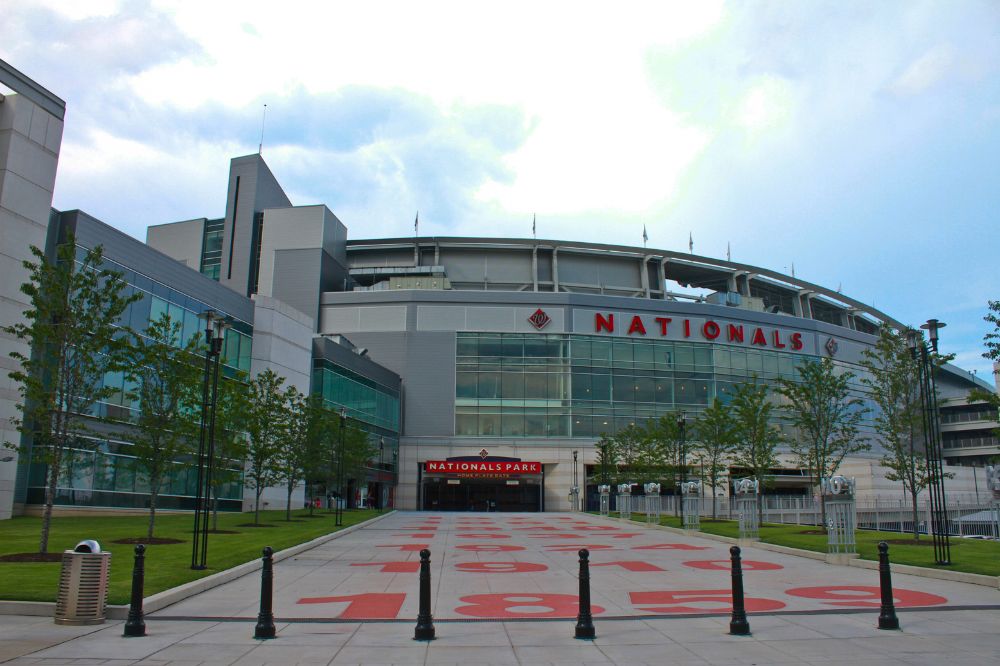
(858, 141)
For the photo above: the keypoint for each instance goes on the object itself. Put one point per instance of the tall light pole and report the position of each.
(341, 499)
(215, 332)
(576, 483)
(381, 454)
(395, 472)
(925, 359)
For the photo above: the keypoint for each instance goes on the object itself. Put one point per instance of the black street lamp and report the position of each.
(341, 500)
(682, 471)
(215, 333)
(926, 361)
(576, 483)
(395, 472)
(381, 454)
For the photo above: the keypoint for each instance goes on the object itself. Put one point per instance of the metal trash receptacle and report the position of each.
(83, 585)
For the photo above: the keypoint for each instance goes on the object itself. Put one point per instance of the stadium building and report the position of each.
(489, 367)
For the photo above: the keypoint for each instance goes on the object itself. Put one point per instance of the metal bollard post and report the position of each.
(425, 623)
(738, 624)
(135, 626)
(265, 618)
(584, 621)
(887, 617)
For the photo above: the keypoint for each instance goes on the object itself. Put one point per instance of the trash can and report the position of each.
(83, 585)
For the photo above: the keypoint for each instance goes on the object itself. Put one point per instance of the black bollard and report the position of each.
(265, 618)
(887, 617)
(425, 623)
(135, 626)
(584, 621)
(738, 624)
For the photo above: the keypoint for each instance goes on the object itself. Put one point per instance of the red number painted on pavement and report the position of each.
(488, 547)
(629, 565)
(480, 535)
(408, 547)
(865, 596)
(514, 604)
(417, 535)
(726, 565)
(369, 606)
(500, 567)
(391, 567)
(567, 548)
(670, 546)
(559, 535)
(672, 601)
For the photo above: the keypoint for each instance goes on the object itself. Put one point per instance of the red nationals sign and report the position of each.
(475, 467)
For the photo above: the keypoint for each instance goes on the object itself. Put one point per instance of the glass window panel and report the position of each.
(663, 389)
(246, 346)
(557, 389)
(581, 348)
(721, 357)
(466, 424)
(158, 307)
(754, 362)
(139, 313)
(467, 346)
(191, 326)
(513, 346)
(534, 422)
(738, 359)
(466, 385)
(684, 356)
(601, 386)
(581, 386)
(512, 385)
(645, 391)
(624, 388)
(535, 385)
(124, 474)
(231, 355)
(489, 424)
(600, 350)
(513, 423)
(770, 362)
(557, 424)
(583, 425)
(490, 346)
(489, 385)
(622, 353)
(703, 356)
(535, 347)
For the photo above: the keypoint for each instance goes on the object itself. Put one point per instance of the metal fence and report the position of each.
(965, 519)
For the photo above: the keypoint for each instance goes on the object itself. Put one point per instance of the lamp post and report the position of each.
(682, 428)
(925, 360)
(576, 483)
(395, 472)
(215, 331)
(341, 499)
(381, 453)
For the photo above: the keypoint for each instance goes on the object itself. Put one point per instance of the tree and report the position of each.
(357, 453)
(715, 429)
(167, 388)
(756, 437)
(629, 443)
(266, 422)
(992, 343)
(826, 417)
(607, 459)
(71, 326)
(230, 437)
(671, 445)
(893, 381)
(305, 453)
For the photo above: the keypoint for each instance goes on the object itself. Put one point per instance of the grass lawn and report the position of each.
(167, 566)
(967, 555)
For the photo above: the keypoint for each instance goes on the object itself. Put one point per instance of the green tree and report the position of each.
(166, 386)
(715, 430)
(672, 446)
(893, 381)
(306, 451)
(630, 443)
(992, 343)
(71, 327)
(230, 437)
(826, 419)
(359, 449)
(266, 422)
(607, 460)
(757, 438)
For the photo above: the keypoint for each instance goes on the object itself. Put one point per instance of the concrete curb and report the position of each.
(925, 572)
(166, 598)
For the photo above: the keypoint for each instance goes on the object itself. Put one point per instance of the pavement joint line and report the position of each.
(603, 618)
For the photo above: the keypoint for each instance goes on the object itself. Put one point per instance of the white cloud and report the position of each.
(925, 71)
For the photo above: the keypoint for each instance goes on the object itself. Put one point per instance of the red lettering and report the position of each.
(637, 326)
(419, 535)
(710, 330)
(560, 535)
(488, 535)
(736, 333)
(864, 596)
(411, 547)
(778, 344)
(663, 321)
(572, 548)
(601, 323)
(725, 565)
(370, 606)
(670, 546)
(687, 328)
(796, 341)
(500, 567)
(541, 605)
(758, 338)
(390, 567)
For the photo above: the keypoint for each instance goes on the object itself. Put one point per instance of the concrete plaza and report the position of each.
(504, 591)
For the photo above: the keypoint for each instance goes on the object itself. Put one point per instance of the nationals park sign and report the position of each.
(482, 467)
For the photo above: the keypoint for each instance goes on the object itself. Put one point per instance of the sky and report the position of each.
(858, 142)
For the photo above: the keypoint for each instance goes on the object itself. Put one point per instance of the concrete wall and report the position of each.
(30, 137)
(282, 343)
(179, 240)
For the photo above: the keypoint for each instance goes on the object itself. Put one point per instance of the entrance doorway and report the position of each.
(442, 494)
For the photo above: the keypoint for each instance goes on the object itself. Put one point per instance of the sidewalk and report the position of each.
(504, 592)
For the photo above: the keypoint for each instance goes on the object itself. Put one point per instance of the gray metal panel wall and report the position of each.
(599, 270)
(180, 240)
(426, 362)
(297, 279)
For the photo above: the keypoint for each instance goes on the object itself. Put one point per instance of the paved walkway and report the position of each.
(505, 593)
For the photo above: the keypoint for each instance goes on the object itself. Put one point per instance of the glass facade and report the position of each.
(211, 248)
(516, 385)
(365, 400)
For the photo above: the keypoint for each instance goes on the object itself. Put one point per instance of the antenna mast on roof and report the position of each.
(263, 117)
